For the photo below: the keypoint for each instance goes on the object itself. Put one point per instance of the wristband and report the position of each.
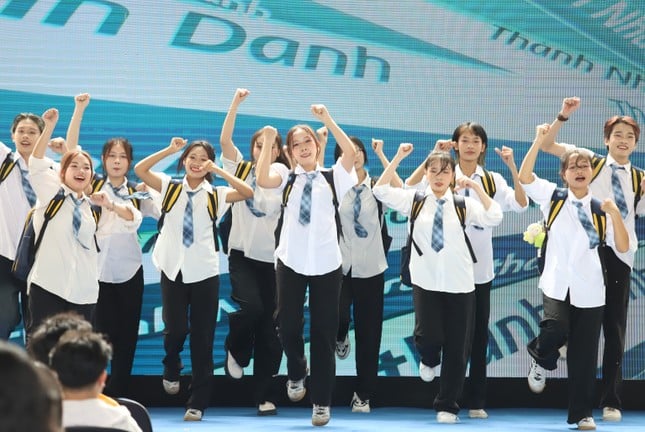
(562, 118)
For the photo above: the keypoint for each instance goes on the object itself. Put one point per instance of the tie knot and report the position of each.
(358, 189)
(311, 175)
(441, 202)
(577, 204)
(191, 194)
(616, 167)
(116, 189)
(77, 202)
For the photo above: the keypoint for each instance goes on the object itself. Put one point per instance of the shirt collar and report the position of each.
(611, 160)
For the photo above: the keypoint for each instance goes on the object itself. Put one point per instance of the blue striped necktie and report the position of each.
(594, 240)
(358, 228)
(26, 186)
(76, 218)
(305, 203)
(188, 220)
(619, 196)
(135, 195)
(249, 202)
(437, 226)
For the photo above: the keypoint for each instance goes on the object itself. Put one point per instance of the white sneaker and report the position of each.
(536, 378)
(477, 414)
(611, 414)
(587, 423)
(426, 372)
(447, 417)
(296, 390)
(343, 348)
(171, 387)
(267, 409)
(320, 415)
(233, 369)
(193, 414)
(359, 405)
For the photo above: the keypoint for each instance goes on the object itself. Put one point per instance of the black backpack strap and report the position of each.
(170, 198)
(7, 166)
(285, 197)
(488, 181)
(329, 176)
(417, 204)
(243, 170)
(637, 178)
(52, 209)
(557, 201)
(212, 212)
(597, 162)
(132, 188)
(599, 220)
(460, 208)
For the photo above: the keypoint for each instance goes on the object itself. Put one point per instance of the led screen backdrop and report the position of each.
(403, 71)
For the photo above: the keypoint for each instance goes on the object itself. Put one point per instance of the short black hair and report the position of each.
(47, 334)
(79, 358)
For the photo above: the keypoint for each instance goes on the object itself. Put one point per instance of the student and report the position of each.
(15, 188)
(308, 255)
(573, 300)
(30, 394)
(470, 142)
(621, 135)
(252, 330)
(64, 275)
(118, 309)
(80, 361)
(186, 256)
(443, 285)
(363, 276)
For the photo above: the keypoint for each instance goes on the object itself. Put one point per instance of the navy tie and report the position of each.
(305, 202)
(188, 220)
(358, 228)
(249, 202)
(76, 218)
(594, 240)
(26, 186)
(437, 226)
(619, 196)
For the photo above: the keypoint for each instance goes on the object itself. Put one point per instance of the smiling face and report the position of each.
(194, 162)
(303, 147)
(576, 171)
(621, 142)
(24, 135)
(472, 141)
(76, 170)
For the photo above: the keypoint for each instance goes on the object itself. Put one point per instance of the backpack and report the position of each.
(226, 221)
(385, 235)
(599, 220)
(97, 183)
(30, 241)
(170, 198)
(7, 165)
(329, 176)
(417, 205)
(637, 176)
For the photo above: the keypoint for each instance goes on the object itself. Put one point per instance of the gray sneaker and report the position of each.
(296, 390)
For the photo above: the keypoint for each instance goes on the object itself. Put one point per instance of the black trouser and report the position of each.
(580, 328)
(13, 300)
(190, 307)
(252, 330)
(118, 312)
(443, 334)
(479, 348)
(614, 324)
(324, 293)
(43, 304)
(366, 295)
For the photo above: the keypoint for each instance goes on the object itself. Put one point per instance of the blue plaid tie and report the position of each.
(358, 228)
(305, 202)
(76, 218)
(136, 195)
(29, 191)
(188, 220)
(619, 196)
(594, 240)
(249, 201)
(437, 226)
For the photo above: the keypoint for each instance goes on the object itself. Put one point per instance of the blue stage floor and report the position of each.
(383, 419)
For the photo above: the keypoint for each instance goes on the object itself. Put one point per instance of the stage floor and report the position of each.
(385, 419)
